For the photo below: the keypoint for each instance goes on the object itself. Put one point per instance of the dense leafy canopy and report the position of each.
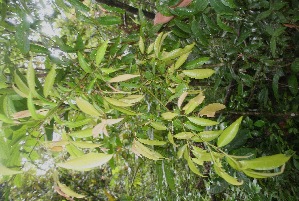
(98, 103)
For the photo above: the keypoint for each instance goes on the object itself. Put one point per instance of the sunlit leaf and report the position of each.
(184, 135)
(141, 45)
(132, 99)
(206, 136)
(116, 102)
(82, 133)
(202, 121)
(229, 133)
(101, 52)
(7, 171)
(211, 109)
(193, 103)
(31, 77)
(226, 176)
(86, 162)
(49, 81)
(158, 126)
(31, 107)
(151, 142)
(193, 168)
(170, 139)
(182, 98)
(265, 162)
(83, 64)
(181, 151)
(199, 73)
(142, 150)
(122, 78)
(85, 145)
(87, 108)
(260, 175)
(181, 60)
(168, 115)
(69, 192)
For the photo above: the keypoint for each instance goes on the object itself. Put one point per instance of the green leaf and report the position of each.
(87, 108)
(261, 175)
(211, 109)
(229, 3)
(31, 78)
(69, 192)
(39, 49)
(229, 133)
(142, 150)
(31, 107)
(167, 56)
(152, 142)
(101, 53)
(170, 139)
(193, 103)
(74, 151)
(83, 64)
(158, 126)
(21, 85)
(22, 36)
(122, 78)
(85, 145)
(124, 110)
(295, 65)
(7, 171)
(220, 8)
(49, 81)
(199, 73)
(206, 136)
(141, 45)
(273, 46)
(117, 103)
(226, 176)
(181, 151)
(224, 26)
(184, 135)
(192, 167)
(202, 121)
(109, 20)
(275, 81)
(82, 133)
(5, 119)
(86, 162)
(181, 60)
(197, 62)
(168, 115)
(169, 175)
(265, 162)
(293, 84)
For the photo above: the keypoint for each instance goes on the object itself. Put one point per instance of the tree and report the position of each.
(123, 101)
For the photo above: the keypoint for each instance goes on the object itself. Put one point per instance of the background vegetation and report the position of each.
(252, 46)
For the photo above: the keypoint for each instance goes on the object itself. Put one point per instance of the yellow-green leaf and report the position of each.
(157, 44)
(86, 162)
(132, 99)
(116, 102)
(181, 151)
(169, 115)
(141, 45)
(5, 119)
(166, 56)
(7, 171)
(85, 145)
(122, 78)
(193, 168)
(101, 52)
(31, 77)
(142, 150)
(199, 73)
(82, 133)
(206, 136)
(152, 142)
(31, 107)
(233, 163)
(226, 176)
(87, 108)
(229, 133)
(265, 162)
(158, 126)
(193, 103)
(66, 190)
(124, 110)
(202, 121)
(49, 82)
(83, 64)
(74, 151)
(211, 109)
(21, 85)
(170, 139)
(184, 135)
(260, 175)
(181, 60)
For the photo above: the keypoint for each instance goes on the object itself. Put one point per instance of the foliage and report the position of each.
(134, 104)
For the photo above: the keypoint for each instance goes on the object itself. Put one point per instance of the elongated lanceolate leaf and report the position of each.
(49, 81)
(206, 136)
(141, 45)
(199, 73)
(31, 78)
(142, 150)
(169, 115)
(86, 162)
(184, 135)
(7, 171)
(265, 162)
(83, 64)
(226, 176)
(170, 139)
(122, 78)
(132, 99)
(87, 108)
(167, 56)
(193, 168)
(182, 98)
(69, 192)
(260, 175)
(193, 103)
(158, 126)
(202, 121)
(82, 133)
(152, 142)
(117, 103)
(101, 52)
(31, 107)
(21, 85)
(157, 44)
(181, 60)
(85, 145)
(229, 133)
(5, 119)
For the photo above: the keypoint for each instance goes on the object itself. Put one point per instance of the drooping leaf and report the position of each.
(211, 109)
(167, 56)
(229, 133)
(170, 139)
(82, 133)
(182, 98)
(142, 150)
(7, 171)
(122, 78)
(5, 119)
(86, 162)
(226, 176)
(87, 108)
(193, 168)
(141, 45)
(260, 175)
(117, 103)
(206, 136)
(49, 82)
(265, 162)
(69, 192)
(181, 151)
(199, 73)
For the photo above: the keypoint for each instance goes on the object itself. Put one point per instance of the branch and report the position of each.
(126, 7)
(259, 113)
